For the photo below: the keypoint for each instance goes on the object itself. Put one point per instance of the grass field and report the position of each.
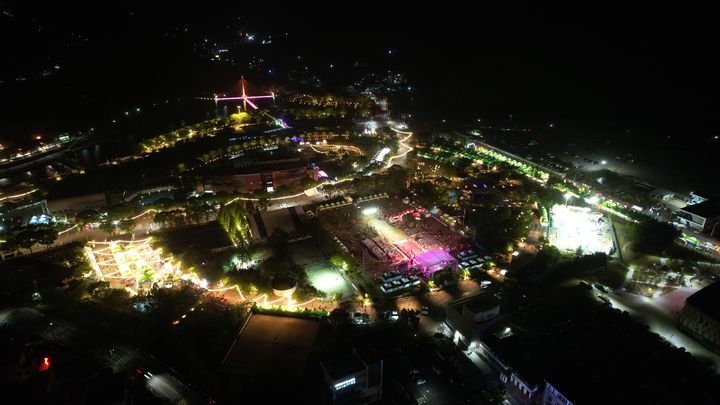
(321, 273)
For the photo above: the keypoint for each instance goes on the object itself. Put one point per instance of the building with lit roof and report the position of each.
(433, 260)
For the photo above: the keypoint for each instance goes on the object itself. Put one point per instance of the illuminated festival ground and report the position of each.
(579, 227)
(387, 231)
(136, 265)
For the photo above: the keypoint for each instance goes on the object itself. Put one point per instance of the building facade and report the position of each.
(700, 316)
(552, 396)
(467, 318)
(502, 355)
(355, 378)
(703, 216)
(269, 180)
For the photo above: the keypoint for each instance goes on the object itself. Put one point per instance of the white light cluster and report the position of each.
(579, 227)
(345, 384)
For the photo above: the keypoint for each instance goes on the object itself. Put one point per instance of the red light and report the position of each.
(45, 364)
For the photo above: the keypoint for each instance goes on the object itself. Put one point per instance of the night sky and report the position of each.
(650, 67)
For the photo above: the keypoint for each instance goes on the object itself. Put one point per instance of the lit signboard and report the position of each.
(344, 384)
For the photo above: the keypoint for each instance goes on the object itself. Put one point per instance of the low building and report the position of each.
(553, 396)
(354, 378)
(510, 357)
(700, 316)
(469, 317)
(703, 216)
(268, 175)
(271, 345)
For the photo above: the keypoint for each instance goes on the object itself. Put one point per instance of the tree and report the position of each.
(10, 245)
(107, 227)
(244, 253)
(120, 211)
(232, 218)
(87, 217)
(652, 236)
(397, 178)
(278, 242)
(490, 396)
(410, 317)
(170, 303)
(425, 194)
(193, 213)
(339, 261)
(46, 235)
(445, 276)
(307, 182)
(95, 289)
(161, 217)
(579, 251)
(263, 204)
(339, 317)
(241, 117)
(26, 239)
(114, 297)
(127, 225)
(498, 227)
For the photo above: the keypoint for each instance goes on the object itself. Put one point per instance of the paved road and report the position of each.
(647, 311)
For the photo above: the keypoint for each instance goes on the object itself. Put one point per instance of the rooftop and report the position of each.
(482, 302)
(707, 300)
(272, 345)
(433, 257)
(263, 224)
(343, 366)
(518, 353)
(705, 209)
